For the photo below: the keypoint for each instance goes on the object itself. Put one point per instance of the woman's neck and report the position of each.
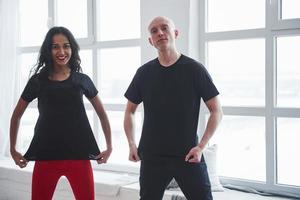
(61, 73)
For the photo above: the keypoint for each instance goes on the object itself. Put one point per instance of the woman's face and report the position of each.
(61, 50)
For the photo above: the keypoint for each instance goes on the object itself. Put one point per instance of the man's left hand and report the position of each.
(194, 156)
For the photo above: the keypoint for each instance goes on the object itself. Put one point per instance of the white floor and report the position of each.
(226, 195)
(15, 184)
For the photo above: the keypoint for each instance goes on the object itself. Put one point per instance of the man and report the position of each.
(171, 87)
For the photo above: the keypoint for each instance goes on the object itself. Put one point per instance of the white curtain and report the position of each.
(9, 69)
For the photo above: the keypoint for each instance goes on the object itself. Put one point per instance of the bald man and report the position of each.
(171, 87)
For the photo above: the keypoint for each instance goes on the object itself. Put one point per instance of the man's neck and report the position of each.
(168, 58)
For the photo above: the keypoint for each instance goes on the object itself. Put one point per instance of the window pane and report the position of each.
(290, 9)
(288, 71)
(87, 65)
(241, 139)
(26, 129)
(235, 15)
(288, 149)
(118, 66)
(120, 145)
(33, 23)
(87, 62)
(28, 60)
(238, 69)
(90, 115)
(73, 15)
(118, 19)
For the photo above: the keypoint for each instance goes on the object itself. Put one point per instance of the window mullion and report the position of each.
(270, 76)
(51, 13)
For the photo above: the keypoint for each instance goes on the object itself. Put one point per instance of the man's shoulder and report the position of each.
(191, 63)
(148, 65)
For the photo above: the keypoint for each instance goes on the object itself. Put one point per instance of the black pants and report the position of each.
(157, 172)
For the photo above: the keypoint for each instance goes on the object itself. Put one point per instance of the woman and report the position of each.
(63, 142)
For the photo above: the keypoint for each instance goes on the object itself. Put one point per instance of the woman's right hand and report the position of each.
(18, 158)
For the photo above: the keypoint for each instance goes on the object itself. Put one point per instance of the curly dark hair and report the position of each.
(45, 62)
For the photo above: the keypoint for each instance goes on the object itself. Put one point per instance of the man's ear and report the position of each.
(150, 41)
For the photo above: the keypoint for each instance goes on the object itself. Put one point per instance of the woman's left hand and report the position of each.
(103, 156)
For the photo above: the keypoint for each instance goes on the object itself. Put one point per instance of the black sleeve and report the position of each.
(89, 89)
(133, 93)
(31, 89)
(204, 84)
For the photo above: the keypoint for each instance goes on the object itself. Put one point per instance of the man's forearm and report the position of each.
(129, 128)
(212, 124)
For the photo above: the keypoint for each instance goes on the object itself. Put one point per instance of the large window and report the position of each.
(116, 71)
(290, 9)
(250, 48)
(109, 39)
(240, 72)
(116, 22)
(248, 148)
(287, 150)
(252, 54)
(65, 17)
(235, 15)
(33, 25)
(288, 71)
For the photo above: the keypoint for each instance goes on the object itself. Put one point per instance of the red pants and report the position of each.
(78, 172)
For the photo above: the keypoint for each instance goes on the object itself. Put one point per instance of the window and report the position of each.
(288, 160)
(33, 24)
(290, 9)
(248, 148)
(251, 51)
(109, 40)
(285, 14)
(86, 56)
(239, 73)
(116, 23)
(121, 151)
(288, 71)
(116, 69)
(26, 127)
(28, 61)
(235, 15)
(250, 48)
(65, 16)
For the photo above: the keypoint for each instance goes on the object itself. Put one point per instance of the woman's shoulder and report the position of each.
(80, 75)
(37, 77)
(81, 78)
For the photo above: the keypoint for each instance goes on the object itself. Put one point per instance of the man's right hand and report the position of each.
(133, 155)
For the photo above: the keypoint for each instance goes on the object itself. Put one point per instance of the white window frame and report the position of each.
(274, 27)
(277, 23)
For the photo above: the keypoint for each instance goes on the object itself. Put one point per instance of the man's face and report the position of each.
(162, 34)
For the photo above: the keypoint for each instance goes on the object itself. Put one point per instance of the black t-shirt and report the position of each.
(62, 131)
(171, 98)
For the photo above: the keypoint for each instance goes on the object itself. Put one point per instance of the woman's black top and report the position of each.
(62, 131)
